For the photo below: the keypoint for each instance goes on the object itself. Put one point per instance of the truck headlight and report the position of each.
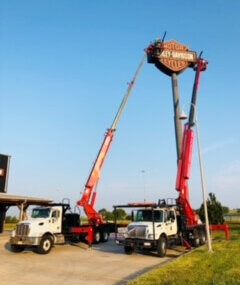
(150, 236)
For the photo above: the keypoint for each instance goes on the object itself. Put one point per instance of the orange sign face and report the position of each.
(172, 57)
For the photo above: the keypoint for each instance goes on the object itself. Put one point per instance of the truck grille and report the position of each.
(22, 230)
(137, 231)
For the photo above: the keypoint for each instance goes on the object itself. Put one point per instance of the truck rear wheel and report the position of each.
(104, 236)
(17, 248)
(202, 236)
(162, 246)
(196, 238)
(97, 237)
(128, 249)
(45, 245)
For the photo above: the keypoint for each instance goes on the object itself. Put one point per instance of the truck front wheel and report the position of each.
(162, 246)
(128, 249)
(45, 245)
(17, 248)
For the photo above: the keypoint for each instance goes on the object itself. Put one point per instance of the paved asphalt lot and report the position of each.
(104, 264)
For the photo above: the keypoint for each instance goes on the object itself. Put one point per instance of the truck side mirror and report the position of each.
(132, 216)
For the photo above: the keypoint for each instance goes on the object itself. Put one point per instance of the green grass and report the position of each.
(201, 267)
(232, 219)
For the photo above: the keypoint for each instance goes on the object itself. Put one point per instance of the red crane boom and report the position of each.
(185, 161)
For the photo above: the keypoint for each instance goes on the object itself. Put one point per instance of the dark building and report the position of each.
(4, 169)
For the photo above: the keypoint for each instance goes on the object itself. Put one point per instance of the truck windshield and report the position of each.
(146, 216)
(40, 213)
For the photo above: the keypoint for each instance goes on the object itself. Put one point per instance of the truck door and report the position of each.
(55, 221)
(170, 222)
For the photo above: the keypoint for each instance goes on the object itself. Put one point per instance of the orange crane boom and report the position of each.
(89, 195)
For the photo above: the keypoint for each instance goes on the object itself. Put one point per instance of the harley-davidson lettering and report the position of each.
(177, 55)
(171, 57)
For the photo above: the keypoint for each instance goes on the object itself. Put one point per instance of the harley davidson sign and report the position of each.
(171, 57)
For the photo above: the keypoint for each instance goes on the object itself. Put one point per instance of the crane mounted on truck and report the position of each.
(157, 225)
(98, 230)
(54, 223)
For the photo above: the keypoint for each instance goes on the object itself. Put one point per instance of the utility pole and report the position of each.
(176, 109)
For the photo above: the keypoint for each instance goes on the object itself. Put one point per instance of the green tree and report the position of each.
(129, 217)
(15, 220)
(215, 210)
(106, 214)
(102, 211)
(8, 219)
(120, 214)
(11, 220)
(225, 210)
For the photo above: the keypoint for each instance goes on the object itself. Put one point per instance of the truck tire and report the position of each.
(17, 248)
(97, 237)
(128, 249)
(202, 236)
(45, 245)
(104, 236)
(162, 246)
(196, 238)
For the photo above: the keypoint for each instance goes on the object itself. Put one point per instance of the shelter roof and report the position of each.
(13, 200)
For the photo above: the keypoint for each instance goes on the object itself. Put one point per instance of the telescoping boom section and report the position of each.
(185, 161)
(89, 195)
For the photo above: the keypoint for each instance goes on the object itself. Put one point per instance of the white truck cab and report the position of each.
(151, 228)
(42, 230)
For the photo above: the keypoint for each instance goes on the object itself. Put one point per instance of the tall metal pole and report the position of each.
(177, 121)
(203, 183)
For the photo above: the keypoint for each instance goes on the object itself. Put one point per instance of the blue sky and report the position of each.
(64, 68)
